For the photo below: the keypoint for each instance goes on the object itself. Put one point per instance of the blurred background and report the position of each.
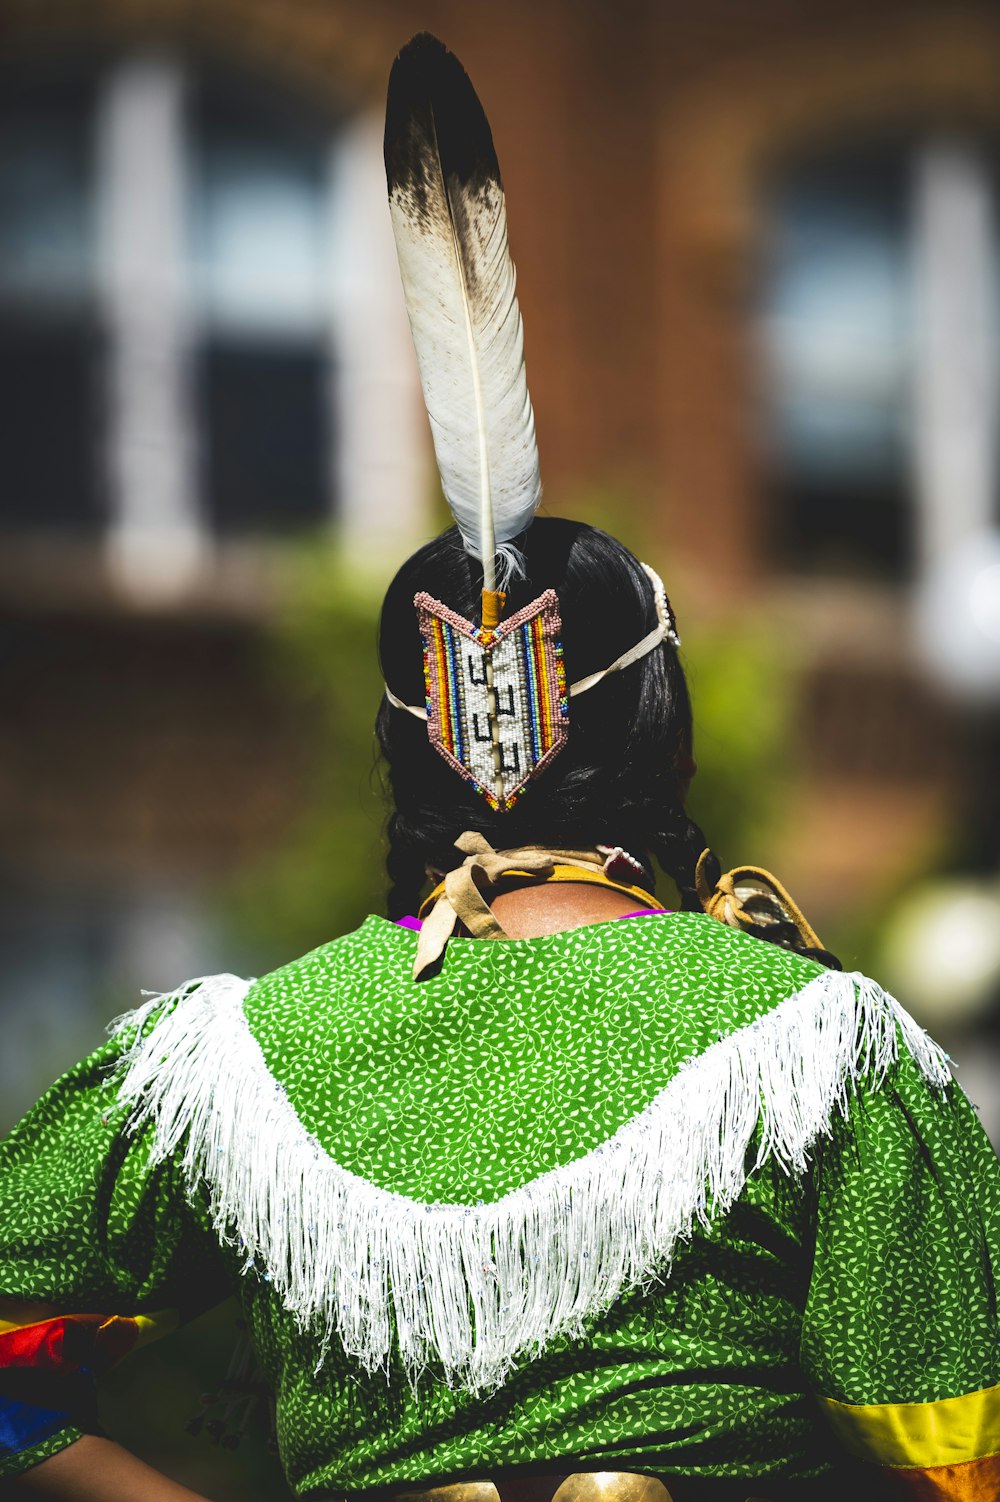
(759, 267)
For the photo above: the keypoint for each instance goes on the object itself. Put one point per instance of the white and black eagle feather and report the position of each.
(450, 223)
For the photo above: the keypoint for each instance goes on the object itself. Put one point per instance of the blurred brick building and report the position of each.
(723, 217)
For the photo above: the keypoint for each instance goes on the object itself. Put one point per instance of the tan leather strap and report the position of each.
(749, 896)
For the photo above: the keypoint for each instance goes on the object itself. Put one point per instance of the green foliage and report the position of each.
(322, 651)
(742, 689)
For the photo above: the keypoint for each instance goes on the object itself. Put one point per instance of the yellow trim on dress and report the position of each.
(949, 1431)
(148, 1327)
(562, 873)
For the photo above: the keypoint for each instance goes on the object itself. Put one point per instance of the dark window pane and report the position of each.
(844, 529)
(48, 344)
(47, 239)
(265, 446)
(50, 466)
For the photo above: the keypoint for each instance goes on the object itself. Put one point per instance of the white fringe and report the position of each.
(473, 1287)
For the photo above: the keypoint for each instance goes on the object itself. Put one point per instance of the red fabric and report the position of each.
(69, 1343)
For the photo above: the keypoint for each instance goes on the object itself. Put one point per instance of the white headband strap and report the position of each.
(664, 630)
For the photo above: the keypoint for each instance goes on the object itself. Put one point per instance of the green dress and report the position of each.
(647, 1195)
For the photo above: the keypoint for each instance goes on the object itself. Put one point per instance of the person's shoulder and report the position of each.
(365, 952)
(702, 956)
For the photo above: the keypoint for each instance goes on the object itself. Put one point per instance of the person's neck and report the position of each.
(530, 911)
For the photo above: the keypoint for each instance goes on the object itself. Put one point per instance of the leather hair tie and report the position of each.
(749, 897)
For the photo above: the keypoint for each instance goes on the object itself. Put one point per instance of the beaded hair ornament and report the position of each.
(497, 702)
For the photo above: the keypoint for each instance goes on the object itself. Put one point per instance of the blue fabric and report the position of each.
(24, 1424)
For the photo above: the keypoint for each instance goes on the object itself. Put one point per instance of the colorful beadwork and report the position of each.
(526, 711)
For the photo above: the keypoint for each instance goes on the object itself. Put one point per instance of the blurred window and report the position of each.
(206, 330)
(259, 215)
(863, 247)
(838, 336)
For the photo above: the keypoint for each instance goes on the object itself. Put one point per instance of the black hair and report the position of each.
(618, 779)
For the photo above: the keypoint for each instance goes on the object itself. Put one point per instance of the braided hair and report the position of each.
(619, 778)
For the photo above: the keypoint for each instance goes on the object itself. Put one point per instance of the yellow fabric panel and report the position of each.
(947, 1432)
